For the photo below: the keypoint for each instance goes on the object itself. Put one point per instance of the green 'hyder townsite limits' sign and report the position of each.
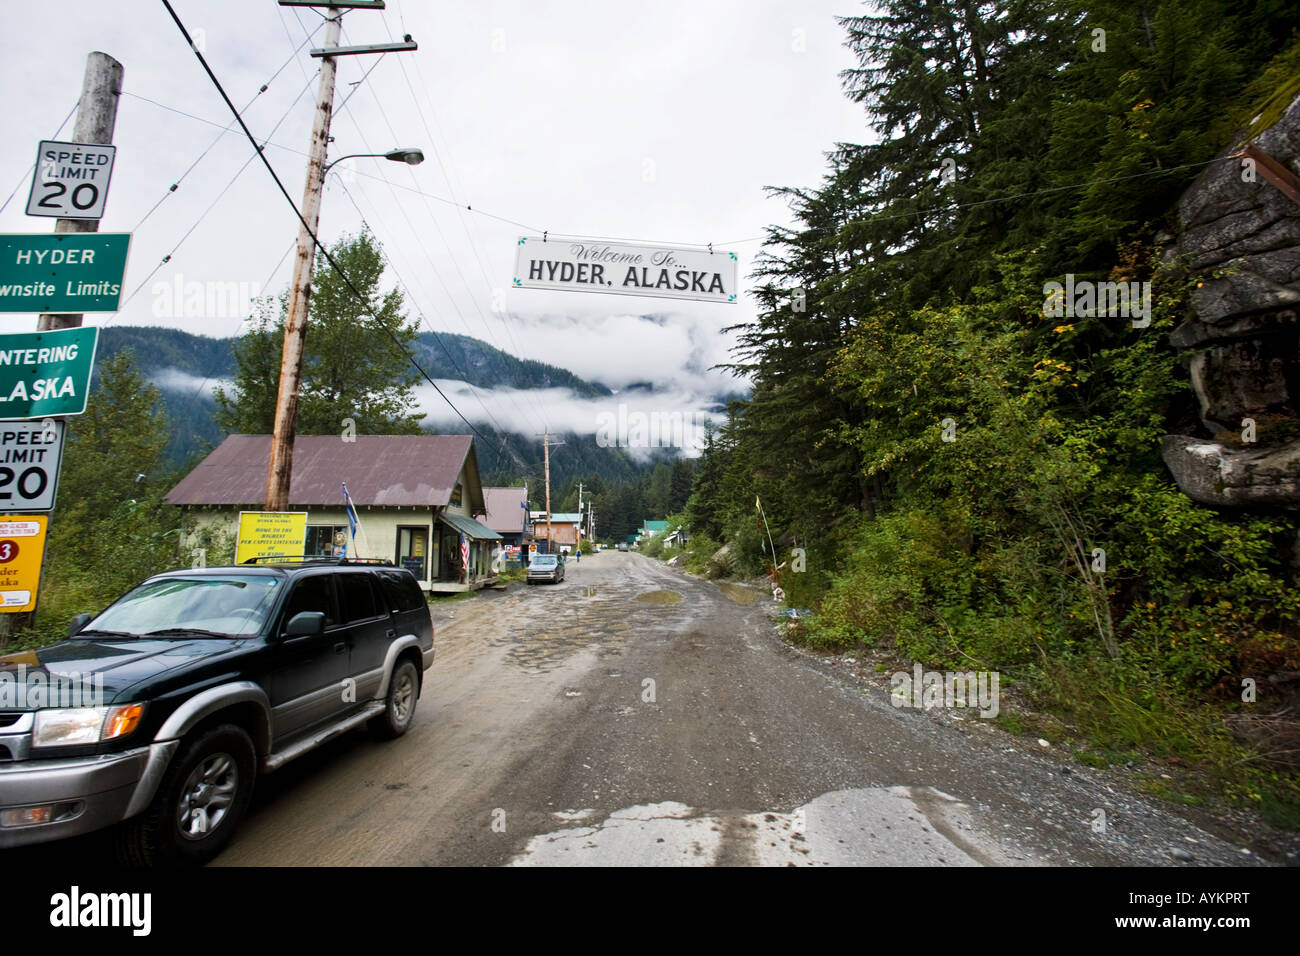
(62, 272)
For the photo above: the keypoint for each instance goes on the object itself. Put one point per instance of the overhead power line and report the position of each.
(203, 215)
(437, 338)
(437, 273)
(347, 280)
(229, 126)
(31, 169)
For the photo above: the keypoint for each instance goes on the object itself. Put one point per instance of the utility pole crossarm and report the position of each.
(365, 48)
(337, 4)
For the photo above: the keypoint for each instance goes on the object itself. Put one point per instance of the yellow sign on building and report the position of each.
(22, 549)
(269, 534)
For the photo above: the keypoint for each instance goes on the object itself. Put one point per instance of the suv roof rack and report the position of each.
(315, 559)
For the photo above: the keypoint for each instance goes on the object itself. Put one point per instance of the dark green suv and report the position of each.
(159, 713)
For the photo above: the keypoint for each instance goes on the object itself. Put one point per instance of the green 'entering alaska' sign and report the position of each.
(62, 271)
(46, 373)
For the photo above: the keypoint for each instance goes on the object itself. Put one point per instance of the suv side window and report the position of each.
(359, 603)
(312, 593)
(402, 591)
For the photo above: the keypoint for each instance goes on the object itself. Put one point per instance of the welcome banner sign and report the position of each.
(663, 272)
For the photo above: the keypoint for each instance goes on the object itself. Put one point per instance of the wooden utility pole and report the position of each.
(101, 88)
(279, 470)
(546, 457)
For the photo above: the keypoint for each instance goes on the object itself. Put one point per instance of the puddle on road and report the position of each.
(740, 594)
(542, 634)
(660, 597)
(879, 826)
(541, 631)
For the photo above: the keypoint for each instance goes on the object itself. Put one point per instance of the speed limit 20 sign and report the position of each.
(29, 464)
(71, 180)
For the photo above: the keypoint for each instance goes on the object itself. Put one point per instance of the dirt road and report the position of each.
(634, 715)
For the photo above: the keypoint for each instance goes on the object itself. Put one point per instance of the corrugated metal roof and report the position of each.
(407, 470)
(503, 509)
(468, 526)
(558, 517)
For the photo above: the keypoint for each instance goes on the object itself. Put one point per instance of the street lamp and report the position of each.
(410, 156)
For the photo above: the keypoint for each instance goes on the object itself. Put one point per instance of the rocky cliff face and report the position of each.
(1242, 342)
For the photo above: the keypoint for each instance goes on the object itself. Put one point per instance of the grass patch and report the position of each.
(451, 598)
(1120, 710)
(1163, 789)
(1090, 759)
(1281, 809)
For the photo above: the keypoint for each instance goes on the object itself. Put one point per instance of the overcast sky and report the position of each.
(659, 121)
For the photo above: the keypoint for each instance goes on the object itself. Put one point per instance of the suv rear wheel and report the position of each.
(399, 706)
(199, 802)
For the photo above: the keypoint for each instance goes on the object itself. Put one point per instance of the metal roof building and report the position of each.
(415, 496)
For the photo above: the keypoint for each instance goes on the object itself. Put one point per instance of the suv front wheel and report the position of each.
(199, 802)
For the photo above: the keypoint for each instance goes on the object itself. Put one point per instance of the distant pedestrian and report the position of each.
(577, 555)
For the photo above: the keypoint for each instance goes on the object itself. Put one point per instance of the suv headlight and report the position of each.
(63, 727)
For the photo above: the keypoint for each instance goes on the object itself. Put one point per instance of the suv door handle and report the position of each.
(340, 647)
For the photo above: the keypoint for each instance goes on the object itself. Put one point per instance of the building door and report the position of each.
(450, 563)
(413, 550)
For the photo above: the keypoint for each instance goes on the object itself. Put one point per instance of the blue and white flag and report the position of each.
(352, 512)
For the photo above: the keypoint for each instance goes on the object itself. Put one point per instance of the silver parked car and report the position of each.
(546, 567)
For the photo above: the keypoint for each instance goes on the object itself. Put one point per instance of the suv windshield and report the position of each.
(543, 561)
(231, 606)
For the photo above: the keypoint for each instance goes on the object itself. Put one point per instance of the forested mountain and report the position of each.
(975, 478)
(445, 355)
(161, 353)
(627, 489)
(476, 362)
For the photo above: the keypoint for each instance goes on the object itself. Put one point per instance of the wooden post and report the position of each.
(280, 469)
(101, 88)
(546, 457)
(1273, 172)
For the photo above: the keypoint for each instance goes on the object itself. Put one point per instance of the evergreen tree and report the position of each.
(110, 528)
(355, 363)
(115, 449)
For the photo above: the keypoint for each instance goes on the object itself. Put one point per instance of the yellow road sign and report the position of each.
(265, 534)
(22, 549)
